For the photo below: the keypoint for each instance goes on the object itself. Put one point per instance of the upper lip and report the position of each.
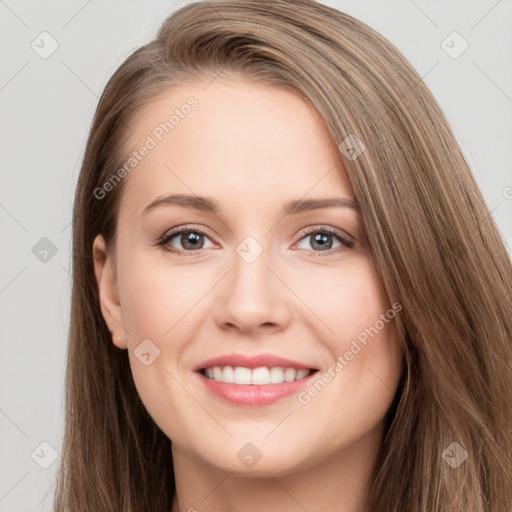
(254, 361)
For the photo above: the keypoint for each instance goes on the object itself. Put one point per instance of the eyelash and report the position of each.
(193, 229)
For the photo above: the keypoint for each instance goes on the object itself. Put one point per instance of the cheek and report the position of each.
(363, 336)
(158, 305)
(152, 310)
(351, 300)
(156, 296)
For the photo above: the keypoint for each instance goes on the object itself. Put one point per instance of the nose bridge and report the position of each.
(250, 263)
(250, 274)
(252, 295)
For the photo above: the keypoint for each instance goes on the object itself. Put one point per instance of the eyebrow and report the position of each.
(212, 206)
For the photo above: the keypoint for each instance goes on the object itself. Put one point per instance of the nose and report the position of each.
(252, 297)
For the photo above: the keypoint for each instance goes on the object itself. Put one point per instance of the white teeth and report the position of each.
(301, 374)
(257, 376)
(276, 375)
(228, 375)
(242, 375)
(217, 372)
(260, 376)
(289, 374)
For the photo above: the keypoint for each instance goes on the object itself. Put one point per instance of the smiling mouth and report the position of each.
(255, 376)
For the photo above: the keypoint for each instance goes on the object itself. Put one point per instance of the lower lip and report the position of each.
(251, 394)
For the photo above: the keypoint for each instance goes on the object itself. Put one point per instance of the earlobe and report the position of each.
(107, 291)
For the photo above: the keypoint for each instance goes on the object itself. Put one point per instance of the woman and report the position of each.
(288, 291)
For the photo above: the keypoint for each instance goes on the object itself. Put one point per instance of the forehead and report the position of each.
(233, 139)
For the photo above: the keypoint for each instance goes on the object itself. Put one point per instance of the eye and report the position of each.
(321, 240)
(192, 239)
(189, 238)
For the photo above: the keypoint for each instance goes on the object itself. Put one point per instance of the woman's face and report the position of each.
(254, 277)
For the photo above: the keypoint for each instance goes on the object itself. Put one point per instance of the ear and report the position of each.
(104, 270)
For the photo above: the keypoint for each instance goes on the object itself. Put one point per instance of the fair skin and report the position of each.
(251, 147)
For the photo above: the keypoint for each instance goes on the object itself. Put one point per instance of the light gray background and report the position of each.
(47, 106)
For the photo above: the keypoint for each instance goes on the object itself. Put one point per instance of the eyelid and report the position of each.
(173, 232)
(184, 227)
(313, 228)
(346, 241)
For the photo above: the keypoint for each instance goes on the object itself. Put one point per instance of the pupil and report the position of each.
(321, 239)
(192, 239)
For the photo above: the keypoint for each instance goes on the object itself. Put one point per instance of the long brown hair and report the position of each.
(434, 241)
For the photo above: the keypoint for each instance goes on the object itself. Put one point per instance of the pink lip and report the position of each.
(251, 394)
(257, 361)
